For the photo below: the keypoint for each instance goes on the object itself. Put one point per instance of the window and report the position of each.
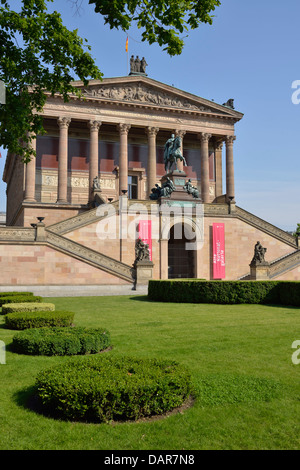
(132, 187)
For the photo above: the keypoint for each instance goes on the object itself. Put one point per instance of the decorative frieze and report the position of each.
(144, 95)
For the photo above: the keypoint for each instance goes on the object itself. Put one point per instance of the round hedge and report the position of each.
(61, 341)
(24, 320)
(104, 388)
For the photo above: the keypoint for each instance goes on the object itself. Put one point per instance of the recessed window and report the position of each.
(132, 187)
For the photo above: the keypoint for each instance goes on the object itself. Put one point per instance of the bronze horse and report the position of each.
(172, 153)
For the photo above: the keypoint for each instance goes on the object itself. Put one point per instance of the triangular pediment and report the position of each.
(144, 91)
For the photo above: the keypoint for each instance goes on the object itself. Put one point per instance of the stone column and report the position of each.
(30, 176)
(230, 192)
(218, 167)
(123, 158)
(63, 123)
(151, 168)
(179, 162)
(164, 248)
(204, 167)
(94, 154)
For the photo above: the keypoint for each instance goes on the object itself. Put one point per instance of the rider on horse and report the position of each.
(172, 152)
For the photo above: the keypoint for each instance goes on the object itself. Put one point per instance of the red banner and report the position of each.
(145, 234)
(218, 251)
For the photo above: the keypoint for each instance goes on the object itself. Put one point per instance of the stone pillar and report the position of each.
(230, 192)
(30, 176)
(151, 168)
(164, 253)
(218, 167)
(123, 158)
(180, 134)
(204, 167)
(94, 154)
(63, 123)
(144, 272)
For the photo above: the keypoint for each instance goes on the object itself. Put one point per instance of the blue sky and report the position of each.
(251, 54)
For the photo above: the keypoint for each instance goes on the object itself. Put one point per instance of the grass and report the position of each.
(240, 356)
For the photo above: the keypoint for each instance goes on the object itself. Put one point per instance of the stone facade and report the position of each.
(116, 132)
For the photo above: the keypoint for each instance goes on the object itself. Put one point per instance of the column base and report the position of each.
(62, 201)
(29, 200)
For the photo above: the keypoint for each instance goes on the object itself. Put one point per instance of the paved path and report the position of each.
(76, 291)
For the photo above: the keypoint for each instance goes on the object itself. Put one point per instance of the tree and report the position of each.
(39, 53)
(162, 21)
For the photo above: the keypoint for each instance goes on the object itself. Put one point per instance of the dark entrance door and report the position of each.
(180, 260)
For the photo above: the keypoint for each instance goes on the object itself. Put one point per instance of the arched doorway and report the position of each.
(181, 261)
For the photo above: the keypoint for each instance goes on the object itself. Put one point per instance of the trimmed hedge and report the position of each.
(27, 307)
(61, 341)
(103, 388)
(225, 292)
(19, 299)
(9, 294)
(25, 320)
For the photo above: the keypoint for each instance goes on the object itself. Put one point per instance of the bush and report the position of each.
(24, 320)
(27, 307)
(105, 387)
(9, 294)
(215, 292)
(19, 299)
(61, 341)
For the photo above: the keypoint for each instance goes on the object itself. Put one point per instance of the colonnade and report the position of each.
(94, 126)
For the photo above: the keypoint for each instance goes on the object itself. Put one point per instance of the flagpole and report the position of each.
(127, 53)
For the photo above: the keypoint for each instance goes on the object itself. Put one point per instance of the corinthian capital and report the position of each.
(180, 133)
(151, 131)
(204, 137)
(124, 128)
(229, 139)
(94, 125)
(63, 122)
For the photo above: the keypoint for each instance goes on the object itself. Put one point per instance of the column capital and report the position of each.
(204, 137)
(63, 122)
(124, 128)
(94, 125)
(180, 133)
(229, 139)
(152, 131)
(218, 144)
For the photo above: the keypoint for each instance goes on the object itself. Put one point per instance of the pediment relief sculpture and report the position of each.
(143, 95)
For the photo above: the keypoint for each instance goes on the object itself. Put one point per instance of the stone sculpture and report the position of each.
(259, 254)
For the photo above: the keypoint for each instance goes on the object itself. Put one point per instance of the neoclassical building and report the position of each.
(115, 134)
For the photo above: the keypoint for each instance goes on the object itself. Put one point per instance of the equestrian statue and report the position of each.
(172, 153)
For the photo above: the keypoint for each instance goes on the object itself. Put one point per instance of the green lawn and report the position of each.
(247, 387)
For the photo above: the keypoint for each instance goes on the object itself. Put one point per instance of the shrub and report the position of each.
(105, 387)
(61, 341)
(24, 320)
(19, 299)
(27, 307)
(9, 294)
(289, 293)
(215, 292)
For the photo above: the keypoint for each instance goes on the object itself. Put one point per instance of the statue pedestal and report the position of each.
(260, 271)
(178, 179)
(144, 272)
(97, 199)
